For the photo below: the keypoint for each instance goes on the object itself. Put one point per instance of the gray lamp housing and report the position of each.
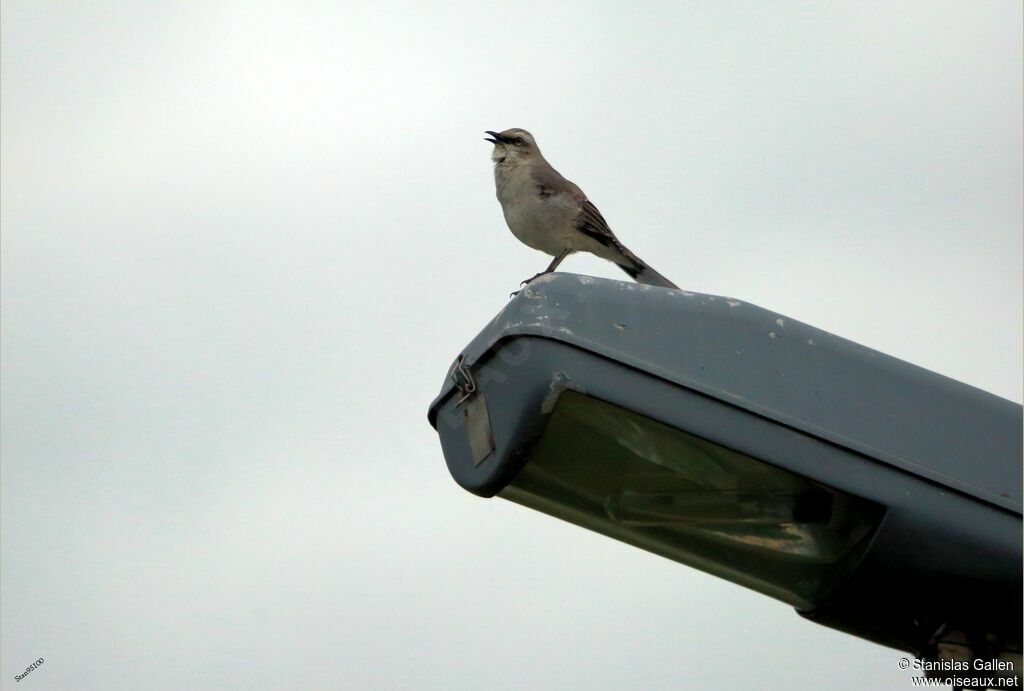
(874, 496)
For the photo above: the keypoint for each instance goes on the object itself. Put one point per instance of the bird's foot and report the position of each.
(527, 282)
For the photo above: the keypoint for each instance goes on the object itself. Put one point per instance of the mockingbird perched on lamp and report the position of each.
(551, 214)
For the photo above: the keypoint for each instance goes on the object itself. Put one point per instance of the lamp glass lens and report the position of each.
(632, 478)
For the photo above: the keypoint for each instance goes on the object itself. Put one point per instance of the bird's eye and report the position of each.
(518, 141)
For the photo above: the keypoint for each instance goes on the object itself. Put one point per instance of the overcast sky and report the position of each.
(242, 242)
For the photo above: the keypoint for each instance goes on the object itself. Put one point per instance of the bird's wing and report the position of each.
(589, 221)
(552, 188)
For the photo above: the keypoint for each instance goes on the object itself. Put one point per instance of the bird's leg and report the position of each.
(551, 267)
(556, 261)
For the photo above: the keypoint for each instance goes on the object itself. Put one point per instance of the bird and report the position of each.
(549, 213)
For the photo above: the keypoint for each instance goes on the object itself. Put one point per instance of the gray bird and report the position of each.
(551, 214)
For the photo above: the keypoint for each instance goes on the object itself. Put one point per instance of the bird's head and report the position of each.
(512, 146)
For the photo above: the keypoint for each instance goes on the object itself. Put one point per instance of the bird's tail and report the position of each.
(641, 272)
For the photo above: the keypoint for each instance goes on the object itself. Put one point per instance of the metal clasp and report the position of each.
(464, 381)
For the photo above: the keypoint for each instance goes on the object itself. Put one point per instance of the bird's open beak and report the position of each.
(495, 138)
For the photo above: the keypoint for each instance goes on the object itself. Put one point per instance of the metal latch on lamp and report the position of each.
(478, 421)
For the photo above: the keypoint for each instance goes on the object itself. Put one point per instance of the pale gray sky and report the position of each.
(243, 241)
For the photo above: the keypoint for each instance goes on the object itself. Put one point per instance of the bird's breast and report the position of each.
(543, 223)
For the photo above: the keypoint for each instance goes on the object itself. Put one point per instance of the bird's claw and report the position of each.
(527, 282)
